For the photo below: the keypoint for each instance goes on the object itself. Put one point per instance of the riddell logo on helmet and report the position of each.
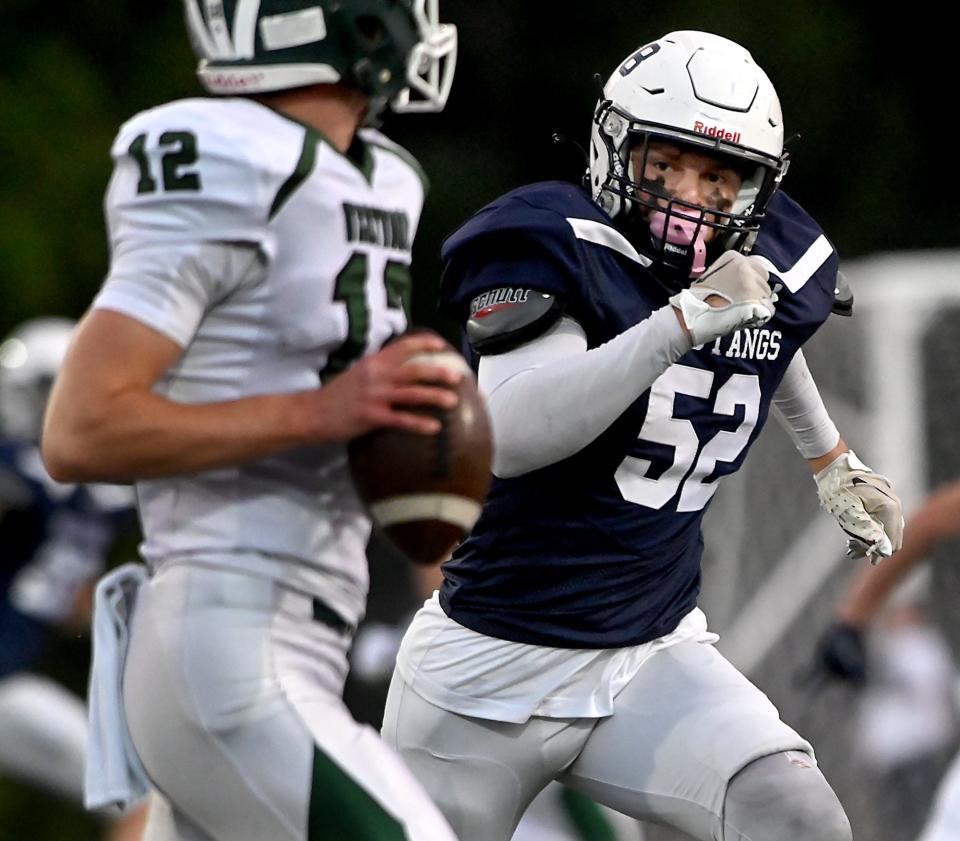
(716, 131)
(234, 81)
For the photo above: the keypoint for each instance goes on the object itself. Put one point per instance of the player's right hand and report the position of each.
(842, 653)
(379, 390)
(733, 293)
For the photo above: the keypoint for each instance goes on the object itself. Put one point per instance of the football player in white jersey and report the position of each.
(260, 251)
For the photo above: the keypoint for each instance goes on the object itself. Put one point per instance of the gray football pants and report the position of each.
(691, 744)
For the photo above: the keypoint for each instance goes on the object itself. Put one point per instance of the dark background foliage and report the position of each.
(861, 90)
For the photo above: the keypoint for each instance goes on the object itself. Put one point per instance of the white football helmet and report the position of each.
(696, 90)
(395, 51)
(30, 358)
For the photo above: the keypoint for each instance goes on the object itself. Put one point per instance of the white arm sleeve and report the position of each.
(799, 408)
(551, 397)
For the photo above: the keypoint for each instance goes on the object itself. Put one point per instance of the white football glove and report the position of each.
(738, 279)
(865, 506)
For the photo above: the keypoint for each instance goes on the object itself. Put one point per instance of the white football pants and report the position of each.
(232, 697)
(681, 729)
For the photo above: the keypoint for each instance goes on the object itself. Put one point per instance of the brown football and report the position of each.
(424, 492)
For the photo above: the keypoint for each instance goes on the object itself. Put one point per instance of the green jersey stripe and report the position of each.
(407, 158)
(308, 158)
(587, 817)
(340, 809)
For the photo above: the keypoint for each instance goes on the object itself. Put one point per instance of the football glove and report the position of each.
(864, 505)
(842, 653)
(742, 282)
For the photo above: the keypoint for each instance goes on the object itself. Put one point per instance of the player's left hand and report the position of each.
(864, 504)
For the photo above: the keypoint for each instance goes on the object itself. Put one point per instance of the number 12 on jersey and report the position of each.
(176, 162)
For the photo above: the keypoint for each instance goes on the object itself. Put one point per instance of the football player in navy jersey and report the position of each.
(55, 538)
(631, 339)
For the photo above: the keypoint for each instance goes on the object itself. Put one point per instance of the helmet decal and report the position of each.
(245, 28)
(217, 27)
(716, 131)
(630, 64)
(293, 29)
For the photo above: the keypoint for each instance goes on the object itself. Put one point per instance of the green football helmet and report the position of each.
(394, 51)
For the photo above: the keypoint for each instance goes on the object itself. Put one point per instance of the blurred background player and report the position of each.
(843, 652)
(260, 259)
(55, 540)
(630, 346)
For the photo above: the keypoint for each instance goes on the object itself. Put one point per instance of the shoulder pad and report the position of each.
(502, 319)
(539, 211)
(523, 234)
(843, 296)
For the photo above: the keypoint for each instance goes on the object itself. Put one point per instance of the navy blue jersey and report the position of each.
(53, 538)
(603, 549)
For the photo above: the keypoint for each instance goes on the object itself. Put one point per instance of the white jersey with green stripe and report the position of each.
(274, 261)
